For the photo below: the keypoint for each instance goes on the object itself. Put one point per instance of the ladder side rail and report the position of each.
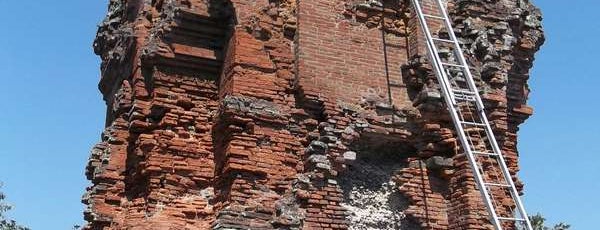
(474, 166)
(458, 52)
(455, 118)
(489, 131)
(432, 53)
(505, 171)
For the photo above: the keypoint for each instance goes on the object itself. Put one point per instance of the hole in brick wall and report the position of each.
(264, 141)
(133, 8)
(156, 114)
(370, 193)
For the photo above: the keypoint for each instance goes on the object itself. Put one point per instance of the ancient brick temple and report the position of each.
(295, 114)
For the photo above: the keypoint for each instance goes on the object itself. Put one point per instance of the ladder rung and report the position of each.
(484, 153)
(497, 185)
(434, 16)
(443, 40)
(473, 123)
(465, 97)
(453, 65)
(511, 219)
(463, 92)
(459, 79)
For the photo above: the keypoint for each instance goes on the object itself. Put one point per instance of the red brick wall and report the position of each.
(342, 58)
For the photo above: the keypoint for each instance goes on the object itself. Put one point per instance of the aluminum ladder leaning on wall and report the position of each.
(467, 111)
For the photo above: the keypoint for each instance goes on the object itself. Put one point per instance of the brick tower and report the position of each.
(295, 114)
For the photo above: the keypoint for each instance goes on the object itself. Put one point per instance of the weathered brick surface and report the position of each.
(285, 114)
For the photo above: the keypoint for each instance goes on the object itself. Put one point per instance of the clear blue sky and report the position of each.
(52, 113)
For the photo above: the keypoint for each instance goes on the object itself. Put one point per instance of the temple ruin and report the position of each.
(296, 114)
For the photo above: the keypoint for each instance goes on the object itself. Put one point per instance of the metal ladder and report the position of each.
(472, 126)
